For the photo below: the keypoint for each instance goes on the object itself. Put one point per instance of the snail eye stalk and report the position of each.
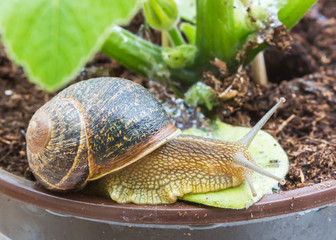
(247, 139)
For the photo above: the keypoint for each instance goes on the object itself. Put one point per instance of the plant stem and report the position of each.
(259, 72)
(144, 58)
(175, 36)
(131, 51)
(164, 39)
(223, 28)
(214, 34)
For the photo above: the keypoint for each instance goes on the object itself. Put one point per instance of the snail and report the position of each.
(115, 128)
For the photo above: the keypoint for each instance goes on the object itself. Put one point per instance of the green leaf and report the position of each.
(266, 152)
(190, 31)
(293, 11)
(53, 40)
(287, 12)
(160, 14)
(201, 94)
(187, 10)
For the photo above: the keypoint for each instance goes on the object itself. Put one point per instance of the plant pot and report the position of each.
(30, 212)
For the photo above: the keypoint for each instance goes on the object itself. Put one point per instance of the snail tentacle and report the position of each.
(247, 139)
(248, 179)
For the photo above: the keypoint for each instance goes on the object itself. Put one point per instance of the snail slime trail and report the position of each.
(103, 126)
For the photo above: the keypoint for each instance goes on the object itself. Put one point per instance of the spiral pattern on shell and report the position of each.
(92, 128)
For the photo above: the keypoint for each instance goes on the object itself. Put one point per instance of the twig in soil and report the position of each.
(282, 125)
(227, 94)
(4, 156)
(5, 141)
(317, 140)
(302, 178)
(259, 72)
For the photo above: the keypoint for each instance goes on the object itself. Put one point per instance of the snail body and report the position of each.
(186, 164)
(115, 128)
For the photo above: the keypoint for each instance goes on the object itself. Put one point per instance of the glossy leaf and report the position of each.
(293, 11)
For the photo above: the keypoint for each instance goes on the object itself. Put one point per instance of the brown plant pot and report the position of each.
(30, 212)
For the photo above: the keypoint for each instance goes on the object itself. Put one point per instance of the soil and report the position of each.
(305, 126)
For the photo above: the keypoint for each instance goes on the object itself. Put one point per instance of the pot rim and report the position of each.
(180, 213)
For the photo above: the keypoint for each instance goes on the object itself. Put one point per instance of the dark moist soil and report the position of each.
(305, 126)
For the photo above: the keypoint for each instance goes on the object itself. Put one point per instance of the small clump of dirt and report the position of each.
(231, 90)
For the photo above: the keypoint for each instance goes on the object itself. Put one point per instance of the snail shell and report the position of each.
(93, 128)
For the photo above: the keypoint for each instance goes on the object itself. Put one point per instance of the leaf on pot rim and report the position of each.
(266, 152)
(53, 40)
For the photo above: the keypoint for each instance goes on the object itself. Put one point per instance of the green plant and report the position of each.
(53, 40)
